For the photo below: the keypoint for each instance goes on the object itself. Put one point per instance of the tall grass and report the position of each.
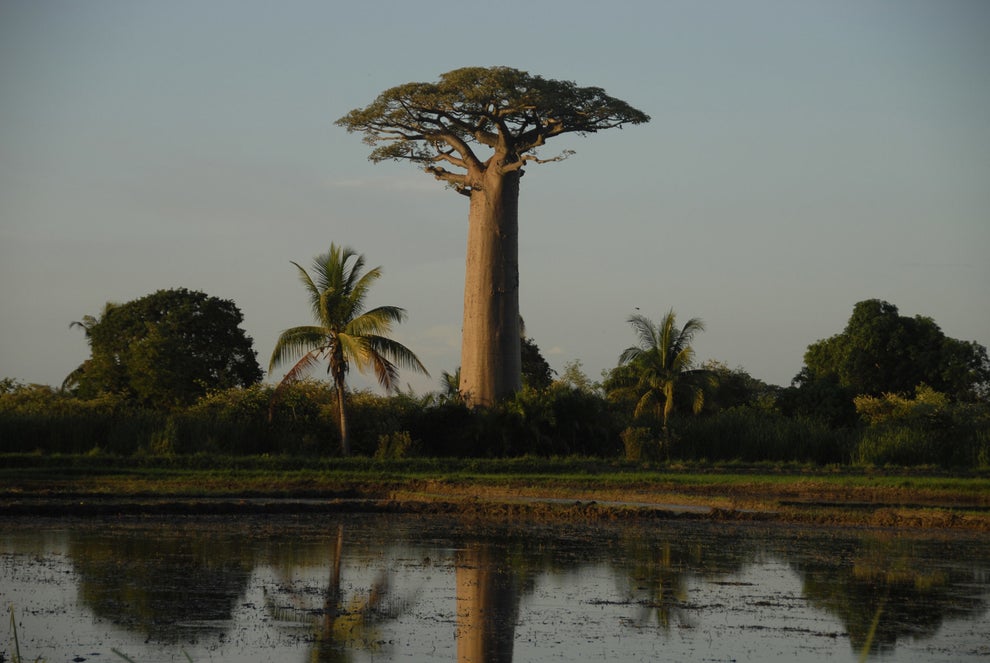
(751, 434)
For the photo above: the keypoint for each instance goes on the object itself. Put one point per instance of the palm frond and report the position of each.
(377, 321)
(691, 327)
(312, 290)
(397, 353)
(645, 404)
(359, 288)
(630, 354)
(645, 330)
(300, 369)
(386, 372)
(296, 341)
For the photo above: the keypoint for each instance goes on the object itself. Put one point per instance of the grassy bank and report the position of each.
(788, 492)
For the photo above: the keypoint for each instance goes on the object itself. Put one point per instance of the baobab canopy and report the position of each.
(509, 111)
(475, 129)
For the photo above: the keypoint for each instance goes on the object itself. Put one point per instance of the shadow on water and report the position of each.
(378, 588)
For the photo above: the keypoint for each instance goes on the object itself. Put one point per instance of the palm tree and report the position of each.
(663, 364)
(87, 324)
(450, 386)
(344, 332)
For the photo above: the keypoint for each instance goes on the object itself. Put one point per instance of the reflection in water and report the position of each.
(310, 588)
(876, 587)
(166, 583)
(487, 604)
(338, 628)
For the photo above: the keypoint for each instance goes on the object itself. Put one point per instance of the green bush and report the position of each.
(755, 434)
(928, 429)
(640, 444)
(896, 445)
(394, 446)
(301, 420)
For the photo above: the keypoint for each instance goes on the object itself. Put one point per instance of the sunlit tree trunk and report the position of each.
(490, 348)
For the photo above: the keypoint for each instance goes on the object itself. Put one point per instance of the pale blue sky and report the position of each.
(802, 156)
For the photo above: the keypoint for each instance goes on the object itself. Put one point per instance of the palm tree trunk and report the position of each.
(345, 443)
(668, 407)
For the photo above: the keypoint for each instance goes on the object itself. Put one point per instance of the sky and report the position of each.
(802, 157)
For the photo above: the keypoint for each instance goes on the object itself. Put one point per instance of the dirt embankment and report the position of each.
(804, 502)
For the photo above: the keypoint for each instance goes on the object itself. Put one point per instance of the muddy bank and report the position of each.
(950, 517)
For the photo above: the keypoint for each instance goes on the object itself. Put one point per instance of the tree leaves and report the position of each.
(507, 110)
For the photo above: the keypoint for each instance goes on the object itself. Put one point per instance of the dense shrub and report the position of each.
(564, 420)
(40, 418)
(929, 429)
(640, 444)
(299, 419)
(755, 434)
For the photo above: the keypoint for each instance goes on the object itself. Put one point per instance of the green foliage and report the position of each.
(346, 332)
(640, 444)
(536, 372)
(498, 107)
(562, 421)
(394, 446)
(728, 388)
(821, 398)
(37, 417)
(929, 429)
(881, 351)
(757, 434)
(661, 374)
(167, 349)
(573, 376)
(251, 421)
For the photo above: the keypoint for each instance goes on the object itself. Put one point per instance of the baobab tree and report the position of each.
(476, 129)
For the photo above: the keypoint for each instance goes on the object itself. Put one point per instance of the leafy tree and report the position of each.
(574, 377)
(819, 398)
(734, 387)
(928, 428)
(344, 332)
(450, 385)
(167, 349)
(536, 372)
(87, 324)
(881, 351)
(475, 130)
(661, 368)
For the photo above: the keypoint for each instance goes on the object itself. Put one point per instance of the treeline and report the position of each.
(172, 373)
(560, 420)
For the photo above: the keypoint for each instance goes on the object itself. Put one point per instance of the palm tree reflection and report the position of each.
(340, 628)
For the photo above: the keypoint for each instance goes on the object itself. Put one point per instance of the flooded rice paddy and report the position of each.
(414, 588)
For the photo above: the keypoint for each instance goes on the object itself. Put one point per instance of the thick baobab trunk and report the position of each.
(491, 365)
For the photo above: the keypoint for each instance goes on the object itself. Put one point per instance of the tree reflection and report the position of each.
(167, 583)
(657, 578)
(658, 570)
(488, 592)
(339, 626)
(881, 591)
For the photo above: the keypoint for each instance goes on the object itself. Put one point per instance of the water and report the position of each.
(412, 588)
